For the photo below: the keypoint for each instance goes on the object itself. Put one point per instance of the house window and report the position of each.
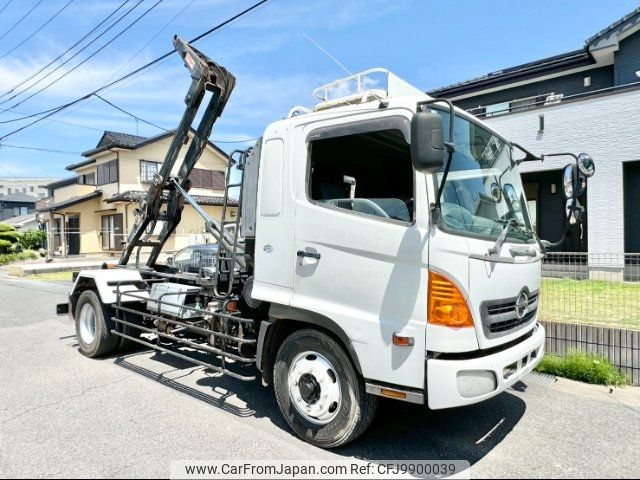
(209, 179)
(108, 172)
(148, 170)
(20, 211)
(87, 179)
(366, 173)
(112, 232)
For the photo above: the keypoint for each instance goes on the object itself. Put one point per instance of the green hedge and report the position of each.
(16, 257)
(32, 239)
(5, 227)
(583, 367)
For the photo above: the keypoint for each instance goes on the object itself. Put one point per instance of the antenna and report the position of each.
(324, 50)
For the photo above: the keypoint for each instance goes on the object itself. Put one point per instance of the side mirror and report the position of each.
(586, 165)
(427, 142)
(573, 181)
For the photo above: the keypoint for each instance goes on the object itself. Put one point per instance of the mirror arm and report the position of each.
(449, 146)
(529, 157)
(563, 154)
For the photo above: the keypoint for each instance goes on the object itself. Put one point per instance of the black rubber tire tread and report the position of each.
(357, 408)
(104, 343)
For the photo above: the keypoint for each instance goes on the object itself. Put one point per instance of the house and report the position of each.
(32, 186)
(15, 204)
(93, 211)
(584, 100)
(22, 223)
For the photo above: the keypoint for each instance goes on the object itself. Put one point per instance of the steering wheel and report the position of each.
(378, 211)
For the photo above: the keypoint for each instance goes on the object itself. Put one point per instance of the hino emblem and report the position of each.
(522, 303)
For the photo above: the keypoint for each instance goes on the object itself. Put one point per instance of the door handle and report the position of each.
(302, 253)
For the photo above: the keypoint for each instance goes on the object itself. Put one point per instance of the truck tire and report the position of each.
(93, 326)
(319, 392)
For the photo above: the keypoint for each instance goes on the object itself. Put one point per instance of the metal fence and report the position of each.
(593, 288)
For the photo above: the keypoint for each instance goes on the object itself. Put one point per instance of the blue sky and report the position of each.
(428, 43)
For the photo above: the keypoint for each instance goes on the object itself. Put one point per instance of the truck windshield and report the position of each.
(483, 192)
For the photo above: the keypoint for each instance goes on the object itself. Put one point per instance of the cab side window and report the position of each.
(367, 173)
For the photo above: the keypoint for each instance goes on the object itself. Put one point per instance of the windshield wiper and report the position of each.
(495, 250)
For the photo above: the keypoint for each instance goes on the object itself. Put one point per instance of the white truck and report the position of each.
(382, 248)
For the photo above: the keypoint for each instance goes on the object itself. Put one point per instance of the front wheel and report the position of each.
(319, 392)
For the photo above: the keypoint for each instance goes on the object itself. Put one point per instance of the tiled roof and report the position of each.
(119, 138)
(133, 195)
(18, 197)
(62, 183)
(569, 59)
(618, 24)
(72, 201)
(125, 140)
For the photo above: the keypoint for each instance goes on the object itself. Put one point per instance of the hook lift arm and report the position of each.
(206, 76)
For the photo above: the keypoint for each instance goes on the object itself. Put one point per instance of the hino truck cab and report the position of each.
(387, 251)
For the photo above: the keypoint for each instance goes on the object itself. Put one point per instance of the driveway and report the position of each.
(65, 415)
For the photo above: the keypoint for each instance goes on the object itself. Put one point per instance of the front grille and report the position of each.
(499, 316)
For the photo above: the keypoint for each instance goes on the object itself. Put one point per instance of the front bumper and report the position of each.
(455, 383)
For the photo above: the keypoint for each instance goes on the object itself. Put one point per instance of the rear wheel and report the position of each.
(93, 324)
(319, 392)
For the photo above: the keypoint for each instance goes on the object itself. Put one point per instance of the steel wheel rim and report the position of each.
(87, 324)
(314, 388)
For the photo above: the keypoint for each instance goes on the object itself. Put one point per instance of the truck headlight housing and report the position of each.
(446, 304)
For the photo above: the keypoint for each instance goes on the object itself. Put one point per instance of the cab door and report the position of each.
(361, 259)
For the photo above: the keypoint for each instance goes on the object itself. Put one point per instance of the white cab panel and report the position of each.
(274, 254)
(370, 278)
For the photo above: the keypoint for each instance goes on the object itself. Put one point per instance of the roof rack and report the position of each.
(370, 85)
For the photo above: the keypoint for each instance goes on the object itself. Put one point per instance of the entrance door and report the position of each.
(361, 257)
(73, 235)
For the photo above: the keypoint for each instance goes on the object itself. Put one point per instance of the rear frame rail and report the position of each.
(225, 338)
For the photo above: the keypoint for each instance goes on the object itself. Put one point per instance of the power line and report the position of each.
(129, 113)
(52, 111)
(100, 24)
(49, 150)
(5, 6)
(38, 29)
(71, 58)
(138, 118)
(21, 19)
(113, 39)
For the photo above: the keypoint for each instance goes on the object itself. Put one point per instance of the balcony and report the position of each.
(544, 100)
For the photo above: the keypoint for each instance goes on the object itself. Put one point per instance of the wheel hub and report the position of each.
(314, 387)
(87, 324)
(309, 388)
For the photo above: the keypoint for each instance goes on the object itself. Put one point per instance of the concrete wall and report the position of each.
(608, 127)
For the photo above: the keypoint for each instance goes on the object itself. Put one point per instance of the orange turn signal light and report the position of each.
(401, 341)
(446, 304)
(387, 392)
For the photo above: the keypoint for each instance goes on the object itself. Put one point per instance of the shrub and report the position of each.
(32, 239)
(12, 236)
(5, 227)
(583, 367)
(5, 246)
(15, 257)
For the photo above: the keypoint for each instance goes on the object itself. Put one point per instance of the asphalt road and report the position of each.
(63, 415)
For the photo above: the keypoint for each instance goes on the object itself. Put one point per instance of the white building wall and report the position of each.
(607, 127)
